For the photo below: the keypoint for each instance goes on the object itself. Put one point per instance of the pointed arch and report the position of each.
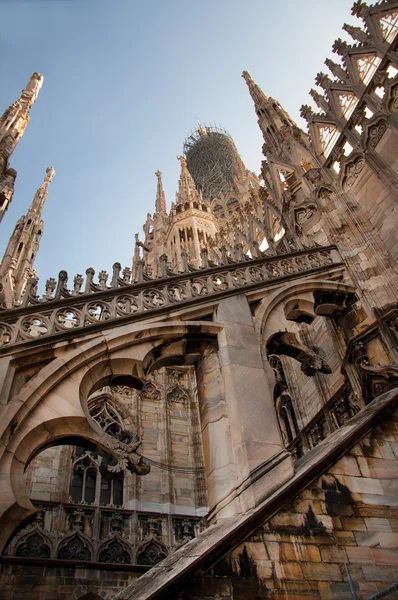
(177, 394)
(76, 546)
(34, 544)
(151, 553)
(115, 550)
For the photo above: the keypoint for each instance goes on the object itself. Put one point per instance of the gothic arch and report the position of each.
(75, 546)
(151, 553)
(114, 550)
(270, 313)
(51, 407)
(33, 543)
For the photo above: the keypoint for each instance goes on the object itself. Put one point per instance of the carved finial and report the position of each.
(323, 80)
(306, 112)
(319, 100)
(51, 284)
(183, 160)
(358, 9)
(32, 89)
(77, 283)
(102, 279)
(337, 70)
(357, 33)
(340, 47)
(160, 205)
(50, 172)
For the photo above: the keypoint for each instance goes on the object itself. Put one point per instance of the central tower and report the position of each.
(213, 161)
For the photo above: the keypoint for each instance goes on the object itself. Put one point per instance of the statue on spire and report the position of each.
(160, 206)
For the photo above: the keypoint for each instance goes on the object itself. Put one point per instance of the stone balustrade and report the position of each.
(70, 311)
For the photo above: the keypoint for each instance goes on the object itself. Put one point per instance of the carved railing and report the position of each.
(69, 312)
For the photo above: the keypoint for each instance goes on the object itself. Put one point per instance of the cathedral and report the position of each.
(218, 419)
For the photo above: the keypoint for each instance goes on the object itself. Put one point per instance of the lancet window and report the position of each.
(89, 485)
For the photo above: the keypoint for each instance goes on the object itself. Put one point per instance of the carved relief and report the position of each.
(352, 171)
(114, 551)
(34, 545)
(177, 395)
(375, 133)
(75, 548)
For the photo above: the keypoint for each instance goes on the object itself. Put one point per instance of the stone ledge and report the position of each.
(170, 576)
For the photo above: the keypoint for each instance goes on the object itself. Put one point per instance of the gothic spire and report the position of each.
(13, 123)
(187, 191)
(259, 98)
(160, 197)
(41, 194)
(19, 257)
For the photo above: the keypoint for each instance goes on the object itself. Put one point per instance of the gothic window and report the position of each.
(74, 549)
(84, 478)
(34, 546)
(111, 491)
(89, 486)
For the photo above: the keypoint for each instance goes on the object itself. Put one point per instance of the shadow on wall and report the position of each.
(90, 596)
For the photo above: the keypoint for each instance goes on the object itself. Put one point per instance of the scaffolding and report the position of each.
(212, 160)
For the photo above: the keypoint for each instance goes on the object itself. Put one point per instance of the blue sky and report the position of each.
(124, 82)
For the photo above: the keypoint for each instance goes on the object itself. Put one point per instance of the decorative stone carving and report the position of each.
(75, 548)
(177, 395)
(375, 133)
(114, 551)
(82, 311)
(352, 171)
(394, 99)
(184, 530)
(151, 553)
(34, 546)
(286, 343)
(150, 391)
(125, 455)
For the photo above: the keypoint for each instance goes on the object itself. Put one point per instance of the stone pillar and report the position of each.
(196, 242)
(220, 468)
(244, 455)
(261, 461)
(178, 248)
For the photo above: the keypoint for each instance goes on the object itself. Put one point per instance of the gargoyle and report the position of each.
(286, 343)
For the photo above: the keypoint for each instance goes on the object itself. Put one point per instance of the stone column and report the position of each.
(261, 461)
